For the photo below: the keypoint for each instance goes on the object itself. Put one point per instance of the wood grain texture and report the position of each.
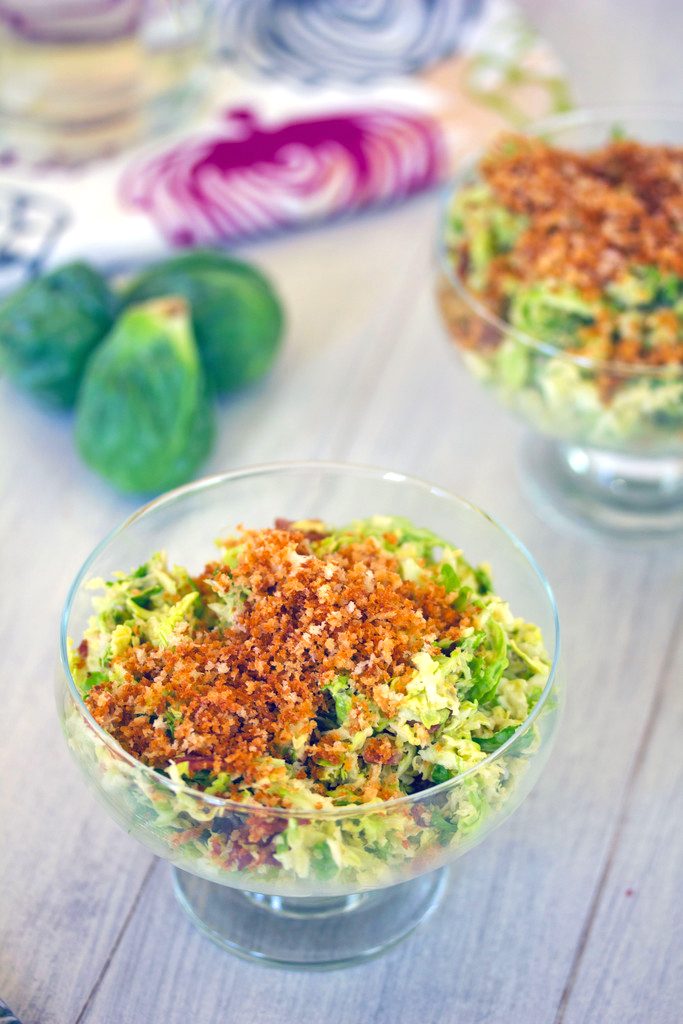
(63, 893)
(68, 878)
(570, 914)
(518, 904)
(632, 962)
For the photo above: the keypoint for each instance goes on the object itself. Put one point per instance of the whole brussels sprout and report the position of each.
(236, 315)
(143, 418)
(49, 327)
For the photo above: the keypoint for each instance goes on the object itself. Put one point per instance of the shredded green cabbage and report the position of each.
(463, 701)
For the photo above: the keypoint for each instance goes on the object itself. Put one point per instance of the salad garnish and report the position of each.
(311, 667)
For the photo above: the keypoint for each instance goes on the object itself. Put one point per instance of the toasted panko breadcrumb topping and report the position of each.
(253, 689)
(591, 218)
(591, 215)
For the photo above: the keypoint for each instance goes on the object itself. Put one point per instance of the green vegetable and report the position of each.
(143, 419)
(322, 860)
(449, 578)
(490, 743)
(236, 315)
(93, 679)
(143, 600)
(445, 828)
(552, 313)
(172, 717)
(645, 287)
(513, 363)
(490, 228)
(484, 581)
(425, 719)
(339, 689)
(203, 777)
(488, 668)
(462, 599)
(49, 327)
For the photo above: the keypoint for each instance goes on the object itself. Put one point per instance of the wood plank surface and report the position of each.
(518, 904)
(631, 964)
(570, 913)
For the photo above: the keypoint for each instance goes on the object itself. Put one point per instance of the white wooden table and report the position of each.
(573, 911)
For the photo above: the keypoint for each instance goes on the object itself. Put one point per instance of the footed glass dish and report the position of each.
(606, 437)
(330, 887)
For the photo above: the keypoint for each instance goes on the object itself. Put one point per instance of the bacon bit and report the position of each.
(608, 384)
(240, 858)
(196, 763)
(379, 750)
(288, 524)
(420, 814)
(283, 524)
(329, 748)
(178, 838)
(260, 828)
(247, 692)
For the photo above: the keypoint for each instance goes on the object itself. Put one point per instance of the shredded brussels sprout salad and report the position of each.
(303, 715)
(611, 371)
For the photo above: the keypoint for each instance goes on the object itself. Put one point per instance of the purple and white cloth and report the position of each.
(346, 40)
(271, 153)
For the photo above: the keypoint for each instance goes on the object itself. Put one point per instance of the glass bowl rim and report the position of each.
(264, 469)
(582, 116)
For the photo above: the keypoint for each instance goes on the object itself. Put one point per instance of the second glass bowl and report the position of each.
(608, 437)
(330, 887)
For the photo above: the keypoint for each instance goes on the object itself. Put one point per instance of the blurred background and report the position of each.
(615, 52)
(310, 142)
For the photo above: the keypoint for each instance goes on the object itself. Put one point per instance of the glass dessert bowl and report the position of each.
(298, 886)
(596, 372)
